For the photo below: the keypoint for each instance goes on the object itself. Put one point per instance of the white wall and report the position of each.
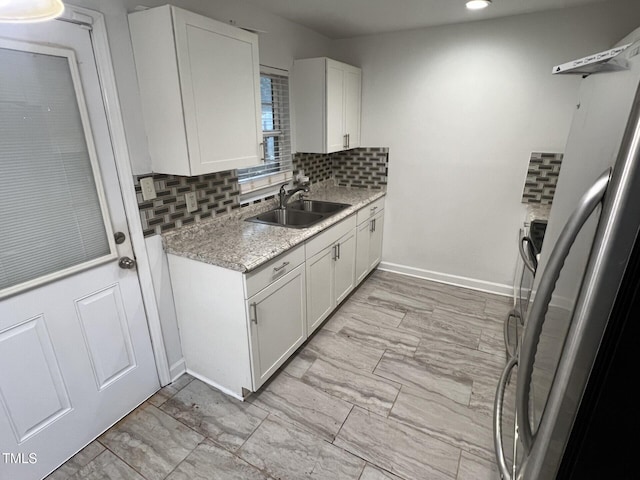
(461, 107)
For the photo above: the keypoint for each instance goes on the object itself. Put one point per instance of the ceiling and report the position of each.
(351, 18)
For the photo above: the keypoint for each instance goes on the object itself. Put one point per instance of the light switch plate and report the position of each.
(192, 203)
(148, 188)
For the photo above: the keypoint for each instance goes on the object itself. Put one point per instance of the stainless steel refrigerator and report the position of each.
(580, 283)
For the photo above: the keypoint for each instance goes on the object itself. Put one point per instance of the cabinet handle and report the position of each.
(371, 225)
(335, 252)
(345, 141)
(374, 224)
(338, 256)
(348, 140)
(277, 269)
(253, 307)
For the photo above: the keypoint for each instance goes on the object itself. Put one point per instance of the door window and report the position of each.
(53, 217)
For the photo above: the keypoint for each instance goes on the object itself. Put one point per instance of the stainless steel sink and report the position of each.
(288, 218)
(299, 214)
(317, 206)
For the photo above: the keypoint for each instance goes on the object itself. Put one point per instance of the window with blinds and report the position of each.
(276, 132)
(50, 212)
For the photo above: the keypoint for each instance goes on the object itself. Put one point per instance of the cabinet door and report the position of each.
(345, 266)
(320, 287)
(220, 83)
(277, 317)
(375, 242)
(362, 250)
(335, 107)
(352, 105)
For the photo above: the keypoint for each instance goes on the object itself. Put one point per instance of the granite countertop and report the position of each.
(536, 211)
(231, 242)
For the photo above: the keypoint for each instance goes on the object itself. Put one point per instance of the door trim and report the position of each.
(102, 54)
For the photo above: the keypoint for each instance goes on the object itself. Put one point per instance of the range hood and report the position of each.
(606, 61)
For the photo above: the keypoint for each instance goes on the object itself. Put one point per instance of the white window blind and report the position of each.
(276, 132)
(50, 212)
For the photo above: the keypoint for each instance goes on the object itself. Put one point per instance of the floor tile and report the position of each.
(397, 448)
(151, 441)
(497, 307)
(165, 393)
(476, 468)
(373, 473)
(384, 338)
(440, 418)
(298, 364)
(398, 302)
(492, 342)
(79, 460)
(357, 387)
(292, 400)
(208, 461)
(453, 359)
(375, 315)
(107, 466)
(340, 349)
(287, 452)
(445, 325)
(224, 419)
(413, 373)
(433, 294)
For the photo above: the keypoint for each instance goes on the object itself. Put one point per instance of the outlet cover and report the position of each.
(148, 188)
(192, 203)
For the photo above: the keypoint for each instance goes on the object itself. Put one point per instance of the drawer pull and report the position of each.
(338, 252)
(373, 209)
(277, 269)
(254, 308)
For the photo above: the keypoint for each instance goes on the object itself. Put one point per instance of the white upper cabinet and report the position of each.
(327, 104)
(199, 83)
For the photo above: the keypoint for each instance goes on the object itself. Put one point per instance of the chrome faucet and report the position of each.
(285, 195)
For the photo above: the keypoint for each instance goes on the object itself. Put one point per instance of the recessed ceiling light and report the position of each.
(478, 4)
(19, 11)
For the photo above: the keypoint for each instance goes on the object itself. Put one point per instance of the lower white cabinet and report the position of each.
(369, 240)
(276, 319)
(237, 329)
(330, 271)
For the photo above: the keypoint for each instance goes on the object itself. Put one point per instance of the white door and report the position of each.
(75, 351)
(335, 107)
(352, 107)
(345, 266)
(320, 287)
(278, 319)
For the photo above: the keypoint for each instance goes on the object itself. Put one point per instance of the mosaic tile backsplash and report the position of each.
(361, 167)
(219, 193)
(216, 193)
(542, 178)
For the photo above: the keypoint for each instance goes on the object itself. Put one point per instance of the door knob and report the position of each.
(127, 263)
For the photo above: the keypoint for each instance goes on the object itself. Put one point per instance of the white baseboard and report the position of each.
(215, 385)
(471, 283)
(177, 369)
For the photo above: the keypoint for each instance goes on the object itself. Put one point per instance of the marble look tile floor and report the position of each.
(397, 384)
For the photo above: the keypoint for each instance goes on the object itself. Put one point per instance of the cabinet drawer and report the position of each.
(370, 210)
(330, 236)
(273, 270)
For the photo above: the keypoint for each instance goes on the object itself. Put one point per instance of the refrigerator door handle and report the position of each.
(498, 406)
(586, 206)
(525, 258)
